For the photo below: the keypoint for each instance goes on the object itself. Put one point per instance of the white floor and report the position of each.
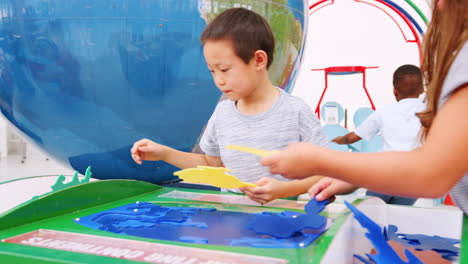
(16, 184)
(36, 163)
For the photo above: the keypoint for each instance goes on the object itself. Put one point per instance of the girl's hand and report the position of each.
(295, 162)
(329, 187)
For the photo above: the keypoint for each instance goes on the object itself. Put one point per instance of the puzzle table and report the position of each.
(96, 222)
(58, 227)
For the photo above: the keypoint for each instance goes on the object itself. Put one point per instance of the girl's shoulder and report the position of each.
(457, 75)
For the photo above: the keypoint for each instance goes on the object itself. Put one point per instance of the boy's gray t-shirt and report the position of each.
(289, 120)
(457, 77)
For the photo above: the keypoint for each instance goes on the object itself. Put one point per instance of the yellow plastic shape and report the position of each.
(258, 152)
(215, 176)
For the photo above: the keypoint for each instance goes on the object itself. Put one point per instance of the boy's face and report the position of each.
(231, 74)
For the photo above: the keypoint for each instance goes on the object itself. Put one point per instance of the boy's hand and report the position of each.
(267, 190)
(146, 149)
(293, 162)
(329, 187)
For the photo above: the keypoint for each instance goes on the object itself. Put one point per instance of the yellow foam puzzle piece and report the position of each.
(215, 176)
(258, 152)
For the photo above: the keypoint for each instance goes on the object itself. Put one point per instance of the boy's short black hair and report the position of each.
(247, 30)
(409, 72)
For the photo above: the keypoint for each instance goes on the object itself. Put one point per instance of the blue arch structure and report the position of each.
(406, 14)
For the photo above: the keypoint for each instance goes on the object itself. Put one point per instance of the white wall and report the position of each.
(349, 33)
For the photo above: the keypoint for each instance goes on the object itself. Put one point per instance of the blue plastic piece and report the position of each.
(198, 225)
(425, 242)
(361, 115)
(332, 131)
(314, 207)
(375, 144)
(385, 253)
(442, 245)
(287, 213)
(390, 232)
(268, 223)
(84, 80)
(362, 259)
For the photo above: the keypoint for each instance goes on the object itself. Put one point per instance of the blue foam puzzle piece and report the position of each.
(362, 259)
(173, 216)
(315, 207)
(390, 232)
(290, 214)
(371, 258)
(424, 242)
(196, 225)
(291, 222)
(443, 245)
(385, 253)
(268, 225)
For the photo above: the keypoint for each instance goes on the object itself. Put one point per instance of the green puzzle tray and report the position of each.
(44, 230)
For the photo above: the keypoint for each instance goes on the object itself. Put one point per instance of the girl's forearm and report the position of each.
(397, 173)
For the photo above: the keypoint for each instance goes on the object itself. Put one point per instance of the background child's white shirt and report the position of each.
(397, 124)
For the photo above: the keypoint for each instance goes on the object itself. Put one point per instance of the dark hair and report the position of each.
(409, 73)
(247, 30)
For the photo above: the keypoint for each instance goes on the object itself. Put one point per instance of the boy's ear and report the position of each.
(421, 90)
(395, 92)
(260, 59)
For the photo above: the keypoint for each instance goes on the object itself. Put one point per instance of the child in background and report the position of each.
(397, 123)
(441, 163)
(238, 46)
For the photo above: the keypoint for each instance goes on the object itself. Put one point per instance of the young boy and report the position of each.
(397, 123)
(238, 46)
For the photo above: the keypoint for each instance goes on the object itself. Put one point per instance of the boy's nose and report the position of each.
(220, 81)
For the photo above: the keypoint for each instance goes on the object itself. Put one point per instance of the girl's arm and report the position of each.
(429, 171)
(329, 187)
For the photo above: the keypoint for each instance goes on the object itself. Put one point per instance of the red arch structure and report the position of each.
(408, 22)
(344, 70)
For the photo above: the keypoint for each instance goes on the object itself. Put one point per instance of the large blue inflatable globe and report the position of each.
(84, 79)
